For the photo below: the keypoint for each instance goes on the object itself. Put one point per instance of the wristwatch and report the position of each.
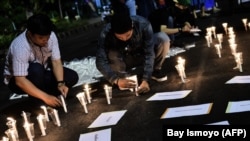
(60, 83)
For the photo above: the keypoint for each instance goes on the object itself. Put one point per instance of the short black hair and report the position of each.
(121, 23)
(40, 24)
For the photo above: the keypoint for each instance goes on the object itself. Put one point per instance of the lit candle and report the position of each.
(64, 104)
(220, 39)
(11, 123)
(134, 77)
(181, 69)
(87, 92)
(238, 60)
(5, 138)
(210, 39)
(217, 46)
(55, 112)
(25, 117)
(231, 36)
(230, 30)
(225, 27)
(45, 112)
(207, 38)
(233, 48)
(11, 134)
(29, 129)
(213, 29)
(40, 119)
(245, 23)
(249, 25)
(107, 92)
(231, 41)
(209, 29)
(81, 98)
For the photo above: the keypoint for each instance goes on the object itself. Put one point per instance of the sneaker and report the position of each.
(158, 76)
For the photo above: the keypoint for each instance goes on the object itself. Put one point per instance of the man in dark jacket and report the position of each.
(129, 42)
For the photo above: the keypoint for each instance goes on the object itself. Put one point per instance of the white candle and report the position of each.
(11, 135)
(25, 117)
(11, 123)
(217, 46)
(230, 30)
(45, 112)
(64, 104)
(220, 39)
(238, 60)
(55, 112)
(181, 69)
(81, 98)
(180, 72)
(245, 23)
(207, 38)
(27, 127)
(233, 48)
(5, 138)
(225, 27)
(134, 77)
(87, 92)
(210, 39)
(40, 119)
(106, 88)
(213, 29)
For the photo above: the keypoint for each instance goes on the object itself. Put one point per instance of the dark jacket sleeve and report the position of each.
(102, 62)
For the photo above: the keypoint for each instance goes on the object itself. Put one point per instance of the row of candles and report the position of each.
(12, 133)
(211, 31)
(83, 97)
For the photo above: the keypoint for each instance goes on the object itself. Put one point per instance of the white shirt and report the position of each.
(21, 52)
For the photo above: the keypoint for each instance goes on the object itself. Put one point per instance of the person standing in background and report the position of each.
(129, 4)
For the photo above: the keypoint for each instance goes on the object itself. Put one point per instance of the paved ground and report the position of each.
(206, 72)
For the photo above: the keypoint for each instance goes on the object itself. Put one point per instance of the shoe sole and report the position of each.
(159, 79)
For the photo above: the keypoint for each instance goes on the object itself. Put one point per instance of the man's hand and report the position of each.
(64, 90)
(52, 101)
(144, 87)
(126, 83)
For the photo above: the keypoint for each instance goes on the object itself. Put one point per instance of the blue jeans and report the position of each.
(45, 79)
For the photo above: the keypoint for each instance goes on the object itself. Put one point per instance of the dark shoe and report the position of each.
(158, 76)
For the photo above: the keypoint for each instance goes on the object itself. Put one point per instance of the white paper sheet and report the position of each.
(239, 106)
(108, 118)
(239, 79)
(219, 123)
(102, 135)
(187, 111)
(169, 95)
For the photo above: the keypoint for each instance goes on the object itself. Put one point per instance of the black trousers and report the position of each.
(45, 79)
